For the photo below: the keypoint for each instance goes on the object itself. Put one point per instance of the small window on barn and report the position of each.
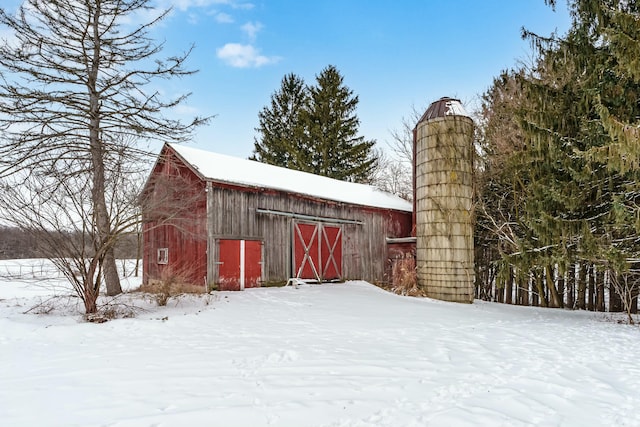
(163, 255)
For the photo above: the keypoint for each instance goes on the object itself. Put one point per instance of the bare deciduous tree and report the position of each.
(75, 103)
(394, 170)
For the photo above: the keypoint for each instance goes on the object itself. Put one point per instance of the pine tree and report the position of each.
(281, 141)
(332, 130)
(315, 129)
(499, 232)
(583, 197)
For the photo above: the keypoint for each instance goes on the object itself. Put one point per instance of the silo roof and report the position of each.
(444, 106)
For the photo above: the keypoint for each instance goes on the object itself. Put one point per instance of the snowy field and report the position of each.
(320, 355)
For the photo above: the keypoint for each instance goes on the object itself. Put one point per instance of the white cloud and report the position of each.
(245, 6)
(244, 56)
(193, 18)
(252, 29)
(185, 110)
(188, 4)
(223, 18)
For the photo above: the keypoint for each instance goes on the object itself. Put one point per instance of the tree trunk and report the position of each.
(499, 294)
(523, 290)
(90, 289)
(615, 300)
(561, 288)
(542, 297)
(104, 242)
(553, 291)
(110, 271)
(582, 286)
(591, 298)
(508, 288)
(90, 298)
(138, 252)
(571, 286)
(634, 298)
(599, 279)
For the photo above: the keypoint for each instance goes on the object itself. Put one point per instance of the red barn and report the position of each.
(229, 223)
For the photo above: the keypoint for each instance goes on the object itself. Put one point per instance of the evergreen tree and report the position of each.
(583, 195)
(332, 130)
(500, 181)
(560, 180)
(281, 140)
(314, 129)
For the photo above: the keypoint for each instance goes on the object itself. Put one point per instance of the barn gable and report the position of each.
(242, 223)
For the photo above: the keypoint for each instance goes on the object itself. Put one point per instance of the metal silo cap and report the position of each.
(443, 107)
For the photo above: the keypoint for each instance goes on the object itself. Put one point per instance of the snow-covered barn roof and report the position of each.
(233, 170)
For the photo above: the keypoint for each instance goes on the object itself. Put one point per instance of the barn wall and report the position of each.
(174, 217)
(233, 214)
(175, 205)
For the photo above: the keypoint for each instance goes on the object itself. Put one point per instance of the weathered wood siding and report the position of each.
(174, 217)
(189, 216)
(233, 213)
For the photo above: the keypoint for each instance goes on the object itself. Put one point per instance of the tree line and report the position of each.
(17, 243)
(558, 212)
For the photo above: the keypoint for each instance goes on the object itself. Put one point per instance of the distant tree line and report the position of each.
(558, 214)
(17, 243)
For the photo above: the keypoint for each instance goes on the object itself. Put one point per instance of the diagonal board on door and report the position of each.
(317, 251)
(331, 252)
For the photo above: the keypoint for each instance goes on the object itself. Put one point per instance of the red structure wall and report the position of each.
(200, 223)
(174, 218)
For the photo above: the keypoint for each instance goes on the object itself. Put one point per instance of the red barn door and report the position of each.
(317, 251)
(239, 264)
(306, 250)
(252, 263)
(331, 252)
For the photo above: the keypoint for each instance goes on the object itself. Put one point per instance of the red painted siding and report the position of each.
(174, 217)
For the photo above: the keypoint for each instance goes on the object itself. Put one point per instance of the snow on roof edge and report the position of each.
(234, 170)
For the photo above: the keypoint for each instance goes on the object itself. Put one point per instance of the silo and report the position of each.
(444, 201)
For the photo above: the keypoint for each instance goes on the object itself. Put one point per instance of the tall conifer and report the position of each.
(281, 132)
(315, 129)
(332, 130)
(583, 200)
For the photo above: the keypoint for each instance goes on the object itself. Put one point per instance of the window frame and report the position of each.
(163, 256)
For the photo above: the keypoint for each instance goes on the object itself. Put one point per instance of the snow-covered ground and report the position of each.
(320, 355)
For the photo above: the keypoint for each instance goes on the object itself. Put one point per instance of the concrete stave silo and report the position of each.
(444, 202)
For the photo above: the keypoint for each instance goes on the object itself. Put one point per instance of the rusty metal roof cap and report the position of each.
(444, 106)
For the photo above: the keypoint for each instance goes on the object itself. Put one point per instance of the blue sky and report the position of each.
(394, 54)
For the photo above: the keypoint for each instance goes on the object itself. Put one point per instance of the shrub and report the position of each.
(404, 279)
(171, 283)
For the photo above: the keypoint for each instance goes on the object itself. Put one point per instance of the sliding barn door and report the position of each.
(317, 251)
(331, 252)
